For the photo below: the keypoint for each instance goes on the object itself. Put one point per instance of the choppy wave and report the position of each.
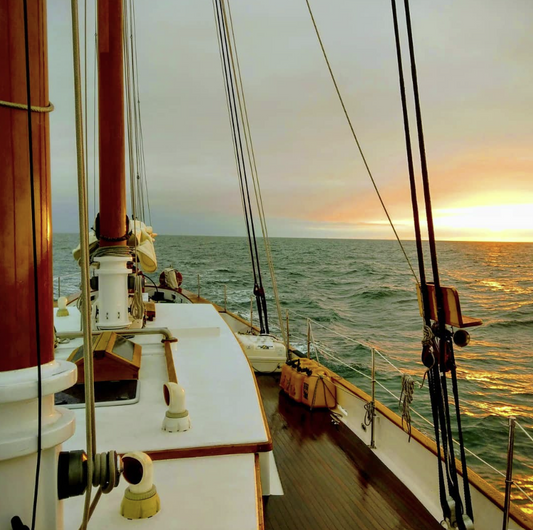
(514, 323)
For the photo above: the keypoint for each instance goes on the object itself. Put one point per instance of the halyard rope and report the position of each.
(84, 245)
(341, 100)
(23, 106)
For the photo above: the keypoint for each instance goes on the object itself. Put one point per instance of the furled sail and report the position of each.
(142, 239)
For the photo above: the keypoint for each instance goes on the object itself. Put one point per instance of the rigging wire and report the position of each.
(142, 180)
(410, 164)
(85, 96)
(129, 37)
(445, 361)
(363, 158)
(424, 169)
(228, 74)
(230, 117)
(229, 107)
(255, 178)
(233, 90)
(131, 140)
(35, 272)
(138, 100)
(238, 89)
(427, 346)
(127, 84)
(440, 406)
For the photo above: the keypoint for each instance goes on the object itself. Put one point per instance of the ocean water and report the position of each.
(363, 291)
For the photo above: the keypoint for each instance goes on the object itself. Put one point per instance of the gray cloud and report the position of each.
(475, 77)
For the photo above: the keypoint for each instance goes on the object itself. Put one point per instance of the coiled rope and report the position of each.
(406, 398)
(105, 474)
(370, 413)
(106, 477)
(123, 252)
(428, 337)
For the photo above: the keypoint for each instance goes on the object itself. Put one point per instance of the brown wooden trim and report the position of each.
(259, 493)
(475, 480)
(212, 450)
(171, 368)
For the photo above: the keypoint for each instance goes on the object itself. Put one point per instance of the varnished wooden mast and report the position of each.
(111, 123)
(19, 337)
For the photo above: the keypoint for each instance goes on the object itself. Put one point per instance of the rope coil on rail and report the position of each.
(406, 398)
(370, 413)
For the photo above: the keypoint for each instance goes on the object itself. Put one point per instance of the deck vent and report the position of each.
(177, 416)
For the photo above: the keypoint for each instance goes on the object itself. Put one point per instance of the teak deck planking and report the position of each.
(331, 480)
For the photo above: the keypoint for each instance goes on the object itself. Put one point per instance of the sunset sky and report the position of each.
(475, 68)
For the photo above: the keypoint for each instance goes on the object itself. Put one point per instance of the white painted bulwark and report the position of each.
(270, 481)
(414, 464)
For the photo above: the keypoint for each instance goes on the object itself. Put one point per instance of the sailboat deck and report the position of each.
(330, 478)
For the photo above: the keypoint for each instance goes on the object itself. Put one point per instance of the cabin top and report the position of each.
(206, 354)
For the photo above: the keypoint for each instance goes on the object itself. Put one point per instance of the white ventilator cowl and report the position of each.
(177, 416)
(138, 471)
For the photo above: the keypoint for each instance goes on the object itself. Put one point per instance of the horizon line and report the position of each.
(334, 238)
